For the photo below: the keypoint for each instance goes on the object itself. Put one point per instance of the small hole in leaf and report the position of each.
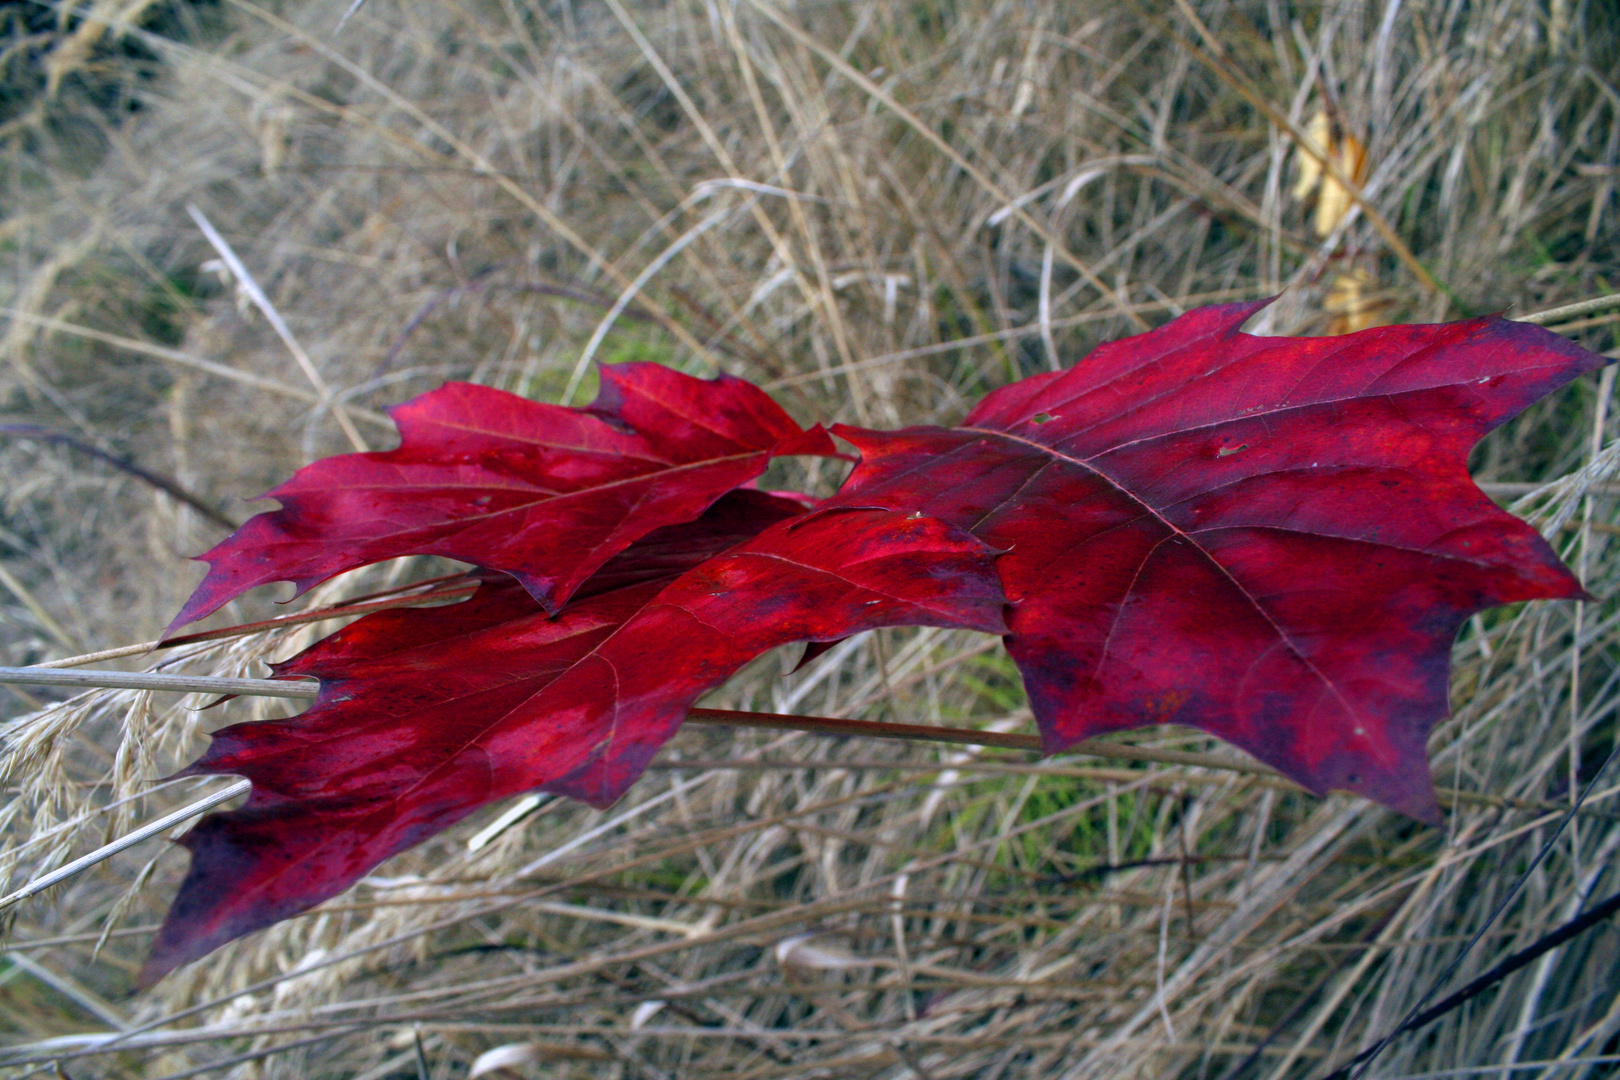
(1226, 451)
(1042, 417)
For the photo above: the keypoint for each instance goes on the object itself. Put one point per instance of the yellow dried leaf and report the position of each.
(1334, 201)
(1309, 169)
(1348, 155)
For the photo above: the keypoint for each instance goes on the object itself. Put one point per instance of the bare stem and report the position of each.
(1597, 303)
(243, 629)
(832, 727)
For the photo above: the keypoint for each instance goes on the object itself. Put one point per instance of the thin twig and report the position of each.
(1600, 913)
(243, 629)
(1514, 487)
(870, 729)
(1363, 1061)
(146, 680)
(162, 483)
(1550, 315)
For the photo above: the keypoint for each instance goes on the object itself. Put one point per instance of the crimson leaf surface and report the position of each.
(1271, 539)
(426, 715)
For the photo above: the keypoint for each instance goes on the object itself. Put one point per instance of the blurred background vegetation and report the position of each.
(878, 211)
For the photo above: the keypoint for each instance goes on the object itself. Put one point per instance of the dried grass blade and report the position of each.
(107, 851)
(250, 286)
(877, 93)
(174, 356)
(144, 680)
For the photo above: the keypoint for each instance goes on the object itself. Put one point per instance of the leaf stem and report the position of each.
(243, 629)
(836, 727)
(871, 729)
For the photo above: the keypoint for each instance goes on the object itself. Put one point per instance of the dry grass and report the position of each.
(815, 197)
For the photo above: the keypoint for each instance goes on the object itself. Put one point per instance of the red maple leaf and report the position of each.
(544, 493)
(426, 715)
(1271, 539)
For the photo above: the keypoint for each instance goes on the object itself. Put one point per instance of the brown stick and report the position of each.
(871, 729)
(318, 615)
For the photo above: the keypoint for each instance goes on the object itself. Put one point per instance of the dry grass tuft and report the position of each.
(879, 211)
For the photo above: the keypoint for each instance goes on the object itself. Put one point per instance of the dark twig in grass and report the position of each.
(169, 487)
(830, 726)
(1597, 915)
(1364, 1060)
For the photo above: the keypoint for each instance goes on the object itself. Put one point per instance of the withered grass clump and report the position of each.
(878, 211)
